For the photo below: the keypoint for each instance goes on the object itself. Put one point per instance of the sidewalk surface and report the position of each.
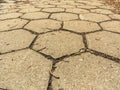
(59, 45)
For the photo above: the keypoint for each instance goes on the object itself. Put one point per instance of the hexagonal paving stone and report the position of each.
(24, 70)
(58, 43)
(105, 42)
(35, 15)
(77, 10)
(53, 9)
(111, 26)
(86, 72)
(44, 6)
(115, 16)
(74, 3)
(106, 7)
(12, 24)
(10, 15)
(94, 17)
(102, 11)
(81, 26)
(8, 11)
(14, 40)
(87, 7)
(66, 6)
(57, 3)
(25, 10)
(25, 6)
(64, 16)
(44, 25)
(95, 3)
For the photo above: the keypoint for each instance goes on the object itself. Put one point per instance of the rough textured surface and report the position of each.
(29, 10)
(56, 43)
(35, 15)
(80, 26)
(10, 15)
(59, 45)
(111, 26)
(94, 17)
(87, 72)
(23, 70)
(77, 10)
(12, 24)
(43, 25)
(102, 11)
(105, 42)
(14, 40)
(53, 10)
(115, 16)
(64, 16)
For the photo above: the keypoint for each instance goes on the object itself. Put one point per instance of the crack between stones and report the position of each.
(54, 62)
(85, 41)
(109, 57)
(13, 51)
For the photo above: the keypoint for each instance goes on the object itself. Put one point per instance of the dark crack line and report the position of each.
(13, 51)
(112, 31)
(109, 57)
(54, 67)
(32, 43)
(85, 41)
(3, 89)
(81, 33)
(50, 78)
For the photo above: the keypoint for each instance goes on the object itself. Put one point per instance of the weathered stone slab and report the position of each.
(111, 26)
(105, 42)
(59, 43)
(14, 40)
(86, 72)
(81, 26)
(35, 15)
(10, 15)
(94, 17)
(44, 25)
(53, 10)
(12, 24)
(77, 10)
(24, 70)
(64, 16)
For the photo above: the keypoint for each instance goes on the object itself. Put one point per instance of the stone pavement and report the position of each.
(59, 45)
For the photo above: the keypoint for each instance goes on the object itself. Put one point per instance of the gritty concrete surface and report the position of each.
(102, 11)
(43, 25)
(23, 70)
(94, 17)
(59, 45)
(64, 16)
(6, 25)
(87, 72)
(81, 26)
(16, 39)
(111, 26)
(77, 10)
(35, 15)
(56, 43)
(105, 42)
(10, 16)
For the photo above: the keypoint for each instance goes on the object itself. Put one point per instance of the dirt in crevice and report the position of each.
(3, 1)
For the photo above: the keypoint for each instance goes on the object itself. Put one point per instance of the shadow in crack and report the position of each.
(25, 2)
(3, 89)
(3, 1)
